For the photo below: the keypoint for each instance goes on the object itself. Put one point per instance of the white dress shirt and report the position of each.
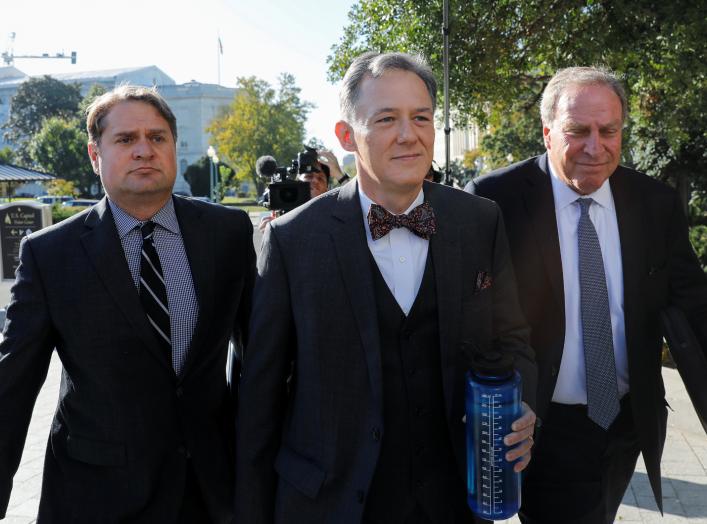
(400, 255)
(571, 387)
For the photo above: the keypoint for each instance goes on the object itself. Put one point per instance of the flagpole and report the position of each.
(219, 52)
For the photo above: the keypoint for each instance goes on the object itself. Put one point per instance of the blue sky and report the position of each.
(262, 38)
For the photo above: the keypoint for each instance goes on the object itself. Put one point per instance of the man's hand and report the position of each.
(522, 435)
(328, 159)
(264, 221)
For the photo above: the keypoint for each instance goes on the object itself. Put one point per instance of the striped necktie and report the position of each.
(602, 390)
(153, 292)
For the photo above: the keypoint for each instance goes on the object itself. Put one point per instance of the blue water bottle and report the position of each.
(493, 402)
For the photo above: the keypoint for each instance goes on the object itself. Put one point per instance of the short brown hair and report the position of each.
(101, 106)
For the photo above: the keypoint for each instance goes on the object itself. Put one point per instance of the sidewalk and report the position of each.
(684, 463)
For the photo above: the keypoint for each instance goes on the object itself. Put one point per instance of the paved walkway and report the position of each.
(684, 463)
(684, 460)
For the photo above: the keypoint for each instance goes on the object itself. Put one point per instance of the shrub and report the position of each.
(60, 212)
(698, 237)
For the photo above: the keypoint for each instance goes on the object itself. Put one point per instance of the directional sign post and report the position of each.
(18, 220)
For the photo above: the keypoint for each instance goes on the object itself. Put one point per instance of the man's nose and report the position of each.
(142, 149)
(592, 143)
(406, 133)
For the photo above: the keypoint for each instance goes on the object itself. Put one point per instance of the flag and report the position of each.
(220, 46)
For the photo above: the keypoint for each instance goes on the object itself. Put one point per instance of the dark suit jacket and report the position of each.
(659, 268)
(309, 457)
(125, 424)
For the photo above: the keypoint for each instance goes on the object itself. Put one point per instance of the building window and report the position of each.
(183, 144)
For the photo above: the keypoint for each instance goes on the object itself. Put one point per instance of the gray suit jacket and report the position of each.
(307, 451)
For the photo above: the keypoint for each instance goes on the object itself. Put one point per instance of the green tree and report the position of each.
(504, 52)
(261, 121)
(36, 100)
(7, 155)
(60, 149)
(94, 92)
(61, 187)
(197, 175)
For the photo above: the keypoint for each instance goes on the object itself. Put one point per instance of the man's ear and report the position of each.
(546, 137)
(344, 132)
(93, 155)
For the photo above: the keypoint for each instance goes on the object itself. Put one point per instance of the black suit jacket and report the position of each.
(125, 423)
(309, 456)
(659, 269)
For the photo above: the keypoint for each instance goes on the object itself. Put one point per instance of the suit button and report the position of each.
(360, 496)
(376, 434)
(180, 392)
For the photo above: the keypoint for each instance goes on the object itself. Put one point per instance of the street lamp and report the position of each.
(213, 167)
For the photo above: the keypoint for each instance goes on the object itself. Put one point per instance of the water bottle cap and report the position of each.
(492, 363)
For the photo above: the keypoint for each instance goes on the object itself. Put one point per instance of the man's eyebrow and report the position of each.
(395, 110)
(133, 132)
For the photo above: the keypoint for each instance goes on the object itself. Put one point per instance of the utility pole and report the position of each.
(9, 56)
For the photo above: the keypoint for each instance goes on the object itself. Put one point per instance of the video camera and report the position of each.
(285, 194)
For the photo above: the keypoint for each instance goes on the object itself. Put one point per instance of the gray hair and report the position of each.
(101, 106)
(375, 65)
(572, 76)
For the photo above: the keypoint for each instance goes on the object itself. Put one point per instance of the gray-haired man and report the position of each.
(598, 250)
(369, 428)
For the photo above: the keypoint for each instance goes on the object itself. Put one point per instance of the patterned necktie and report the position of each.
(153, 292)
(420, 221)
(602, 390)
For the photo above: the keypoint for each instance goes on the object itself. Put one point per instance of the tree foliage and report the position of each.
(197, 175)
(36, 100)
(7, 155)
(60, 149)
(61, 187)
(502, 54)
(261, 121)
(59, 146)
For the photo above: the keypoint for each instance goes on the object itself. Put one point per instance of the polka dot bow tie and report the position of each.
(420, 221)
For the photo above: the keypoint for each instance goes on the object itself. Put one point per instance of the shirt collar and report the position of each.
(366, 205)
(565, 196)
(166, 217)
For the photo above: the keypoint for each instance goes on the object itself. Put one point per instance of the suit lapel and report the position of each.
(105, 252)
(352, 253)
(445, 249)
(199, 247)
(629, 216)
(540, 207)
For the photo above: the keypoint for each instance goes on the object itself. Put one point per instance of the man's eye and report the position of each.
(422, 118)
(124, 140)
(158, 138)
(385, 119)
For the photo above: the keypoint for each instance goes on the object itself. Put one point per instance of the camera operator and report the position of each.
(323, 171)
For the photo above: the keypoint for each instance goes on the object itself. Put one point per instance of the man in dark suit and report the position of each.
(358, 417)
(139, 295)
(599, 250)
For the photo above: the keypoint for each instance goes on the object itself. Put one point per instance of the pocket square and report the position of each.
(484, 280)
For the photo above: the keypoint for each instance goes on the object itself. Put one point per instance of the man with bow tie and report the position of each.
(359, 419)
